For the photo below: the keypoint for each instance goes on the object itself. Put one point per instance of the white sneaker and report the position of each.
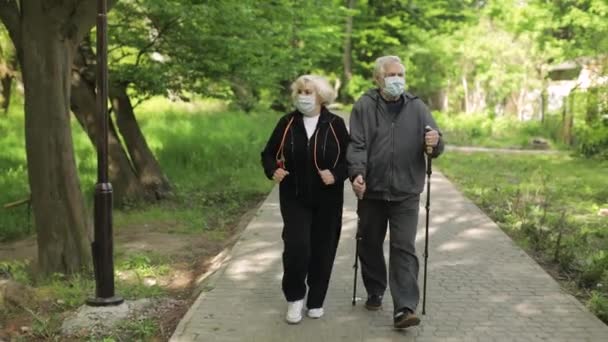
(294, 311)
(315, 313)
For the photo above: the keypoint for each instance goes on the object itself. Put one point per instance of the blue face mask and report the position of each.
(306, 104)
(394, 85)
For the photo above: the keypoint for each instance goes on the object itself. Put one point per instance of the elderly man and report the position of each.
(390, 130)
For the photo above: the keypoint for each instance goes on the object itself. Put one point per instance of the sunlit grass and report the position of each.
(211, 156)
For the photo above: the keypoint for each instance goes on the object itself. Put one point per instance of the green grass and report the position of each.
(210, 155)
(13, 173)
(549, 204)
(501, 132)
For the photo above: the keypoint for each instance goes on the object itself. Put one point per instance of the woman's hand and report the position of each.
(279, 174)
(327, 177)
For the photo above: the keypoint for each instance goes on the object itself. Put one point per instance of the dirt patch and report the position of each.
(21, 250)
(189, 256)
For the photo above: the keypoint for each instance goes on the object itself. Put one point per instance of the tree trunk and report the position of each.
(7, 83)
(544, 101)
(245, 96)
(145, 179)
(544, 95)
(520, 104)
(446, 104)
(466, 94)
(592, 110)
(568, 118)
(144, 161)
(58, 204)
(124, 181)
(511, 108)
(347, 58)
(479, 101)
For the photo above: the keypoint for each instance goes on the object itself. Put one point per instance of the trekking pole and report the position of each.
(356, 265)
(429, 171)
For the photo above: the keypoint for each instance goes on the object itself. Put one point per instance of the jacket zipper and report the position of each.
(309, 163)
(293, 155)
(325, 144)
(390, 181)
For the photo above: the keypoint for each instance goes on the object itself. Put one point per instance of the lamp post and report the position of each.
(103, 246)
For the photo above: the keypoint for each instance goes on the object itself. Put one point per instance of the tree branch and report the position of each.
(161, 32)
(10, 17)
(83, 18)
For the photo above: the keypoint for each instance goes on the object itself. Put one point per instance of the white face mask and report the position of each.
(394, 85)
(306, 104)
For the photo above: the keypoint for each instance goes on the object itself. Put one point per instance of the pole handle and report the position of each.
(428, 149)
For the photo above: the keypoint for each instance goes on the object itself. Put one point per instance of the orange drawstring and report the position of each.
(315, 148)
(281, 160)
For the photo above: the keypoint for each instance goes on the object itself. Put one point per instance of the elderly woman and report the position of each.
(306, 155)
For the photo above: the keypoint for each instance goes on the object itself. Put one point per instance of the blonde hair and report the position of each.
(321, 86)
(382, 62)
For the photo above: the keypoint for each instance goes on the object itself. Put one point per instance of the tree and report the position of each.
(8, 69)
(45, 34)
(348, 49)
(413, 30)
(125, 182)
(135, 174)
(233, 50)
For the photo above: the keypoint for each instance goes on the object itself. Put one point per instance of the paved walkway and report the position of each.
(482, 287)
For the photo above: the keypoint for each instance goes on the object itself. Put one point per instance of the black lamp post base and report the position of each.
(112, 301)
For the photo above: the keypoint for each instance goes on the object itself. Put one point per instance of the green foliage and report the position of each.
(357, 86)
(500, 132)
(16, 270)
(139, 330)
(66, 292)
(46, 328)
(598, 304)
(596, 270)
(413, 30)
(592, 141)
(14, 222)
(145, 265)
(225, 49)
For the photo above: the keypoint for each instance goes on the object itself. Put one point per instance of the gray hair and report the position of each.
(322, 87)
(382, 62)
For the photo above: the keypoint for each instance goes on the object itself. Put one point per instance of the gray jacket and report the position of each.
(389, 151)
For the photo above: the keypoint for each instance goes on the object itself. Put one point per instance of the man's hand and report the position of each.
(359, 186)
(279, 174)
(431, 137)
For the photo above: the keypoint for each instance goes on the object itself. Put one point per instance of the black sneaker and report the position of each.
(374, 302)
(405, 318)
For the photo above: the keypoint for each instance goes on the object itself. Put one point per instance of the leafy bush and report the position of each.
(501, 132)
(592, 141)
(357, 86)
(598, 304)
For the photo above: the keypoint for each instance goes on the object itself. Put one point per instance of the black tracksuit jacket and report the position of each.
(303, 182)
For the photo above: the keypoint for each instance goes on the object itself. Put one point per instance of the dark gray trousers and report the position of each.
(402, 218)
